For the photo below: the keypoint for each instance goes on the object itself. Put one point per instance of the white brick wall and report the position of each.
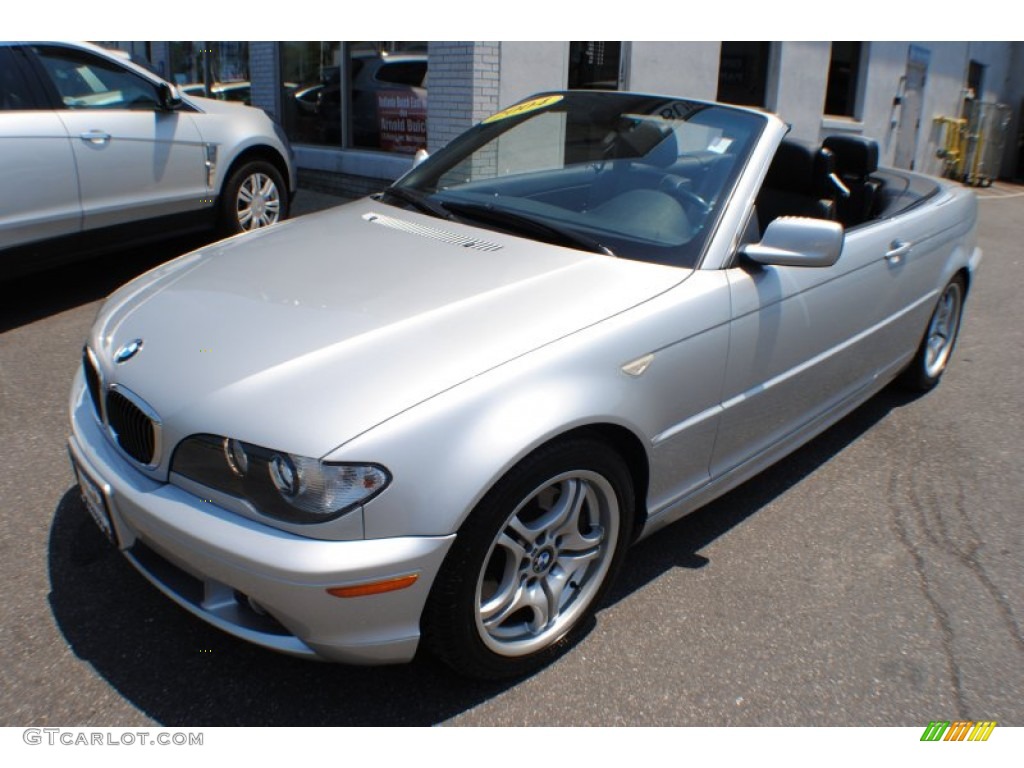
(462, 87)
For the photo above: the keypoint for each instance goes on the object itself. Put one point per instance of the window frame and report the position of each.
(856, 90)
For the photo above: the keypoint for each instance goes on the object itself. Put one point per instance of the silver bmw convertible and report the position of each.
(436, 418)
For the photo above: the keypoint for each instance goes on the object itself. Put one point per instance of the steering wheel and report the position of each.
(678, 187)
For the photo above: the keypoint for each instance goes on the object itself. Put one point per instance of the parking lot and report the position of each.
(872, 578)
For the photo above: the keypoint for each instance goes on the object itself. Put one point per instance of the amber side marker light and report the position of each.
(375, 587)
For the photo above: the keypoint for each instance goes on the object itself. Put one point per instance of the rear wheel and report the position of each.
(936, 348)
(532, 561)
(254, 197)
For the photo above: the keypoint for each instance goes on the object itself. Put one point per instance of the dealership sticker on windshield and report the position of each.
(526, 106)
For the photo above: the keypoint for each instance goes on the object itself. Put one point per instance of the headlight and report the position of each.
(296, 489)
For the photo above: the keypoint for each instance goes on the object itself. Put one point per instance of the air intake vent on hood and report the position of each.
(434, 234)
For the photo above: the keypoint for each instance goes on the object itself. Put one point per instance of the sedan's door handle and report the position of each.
(95, 137)
(897, 250)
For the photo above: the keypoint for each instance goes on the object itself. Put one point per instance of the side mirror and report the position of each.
(169, 97)
(794, 241)
(419, 157)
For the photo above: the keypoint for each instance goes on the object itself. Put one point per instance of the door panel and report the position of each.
(917, 274)
(134, 160)
(151, 164)
(39, 193)
(803, 339)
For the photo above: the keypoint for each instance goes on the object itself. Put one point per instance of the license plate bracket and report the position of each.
(95, 501)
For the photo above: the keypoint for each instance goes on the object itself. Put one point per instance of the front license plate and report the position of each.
(95, 501)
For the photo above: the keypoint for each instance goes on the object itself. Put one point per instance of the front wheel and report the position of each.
(254, 197)
(532, 561)
(936, 348)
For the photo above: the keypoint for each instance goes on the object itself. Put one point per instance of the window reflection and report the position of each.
(216, 70)
(311, 92)
(389, 96)
(383, 106)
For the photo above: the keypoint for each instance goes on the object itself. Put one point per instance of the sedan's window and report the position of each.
(84, 81)
(15, 92)
(640, 177)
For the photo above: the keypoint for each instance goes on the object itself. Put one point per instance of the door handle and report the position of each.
(897, 250)
(95, 137)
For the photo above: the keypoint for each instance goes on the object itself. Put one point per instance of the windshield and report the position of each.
(640, 177)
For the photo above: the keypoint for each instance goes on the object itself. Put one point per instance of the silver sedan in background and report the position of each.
(439, 416)
(99, 151)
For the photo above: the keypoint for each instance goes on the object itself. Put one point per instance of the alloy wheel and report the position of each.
(942, 330)
(547, 563)
(258, 203)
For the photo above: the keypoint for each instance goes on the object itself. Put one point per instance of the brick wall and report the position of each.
(462, 87)
(263, 73)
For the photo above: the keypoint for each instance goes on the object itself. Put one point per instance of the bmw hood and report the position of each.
(306, 334)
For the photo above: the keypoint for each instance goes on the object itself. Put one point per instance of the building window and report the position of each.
(364, 95)
(311, 92)
(216, 70)
(743, 73)
(389, 96)
(975, 87)
(594, 65)
(843, 79)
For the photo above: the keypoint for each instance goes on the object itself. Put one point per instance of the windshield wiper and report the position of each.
(419, 201)
(523, 224)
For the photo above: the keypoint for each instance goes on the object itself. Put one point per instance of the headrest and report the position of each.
(650, 141)
(800, 169)
(855, 155)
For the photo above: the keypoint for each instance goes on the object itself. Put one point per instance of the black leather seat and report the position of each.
(797, 184)
(856, 159)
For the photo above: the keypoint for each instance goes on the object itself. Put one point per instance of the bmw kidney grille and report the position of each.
(132, 424)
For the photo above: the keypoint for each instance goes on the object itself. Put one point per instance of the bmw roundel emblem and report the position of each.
(127, 351)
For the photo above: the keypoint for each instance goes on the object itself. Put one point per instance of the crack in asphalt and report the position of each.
(966, 552)
(971, 560)
(945, 523)
(956, 675)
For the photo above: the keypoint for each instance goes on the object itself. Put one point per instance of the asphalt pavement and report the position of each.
(874, 577)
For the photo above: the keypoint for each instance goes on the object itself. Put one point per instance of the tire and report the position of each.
(936, 348)
(254, 196)
(531, 563)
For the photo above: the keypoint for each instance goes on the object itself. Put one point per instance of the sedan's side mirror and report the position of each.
(795, 241)
(420, 156)
(169, 97)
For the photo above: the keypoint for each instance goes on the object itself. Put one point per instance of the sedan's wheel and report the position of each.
(936, 347)
(532, 561)
(254, 197)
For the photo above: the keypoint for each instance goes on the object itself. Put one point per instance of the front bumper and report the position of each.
(253, 581)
